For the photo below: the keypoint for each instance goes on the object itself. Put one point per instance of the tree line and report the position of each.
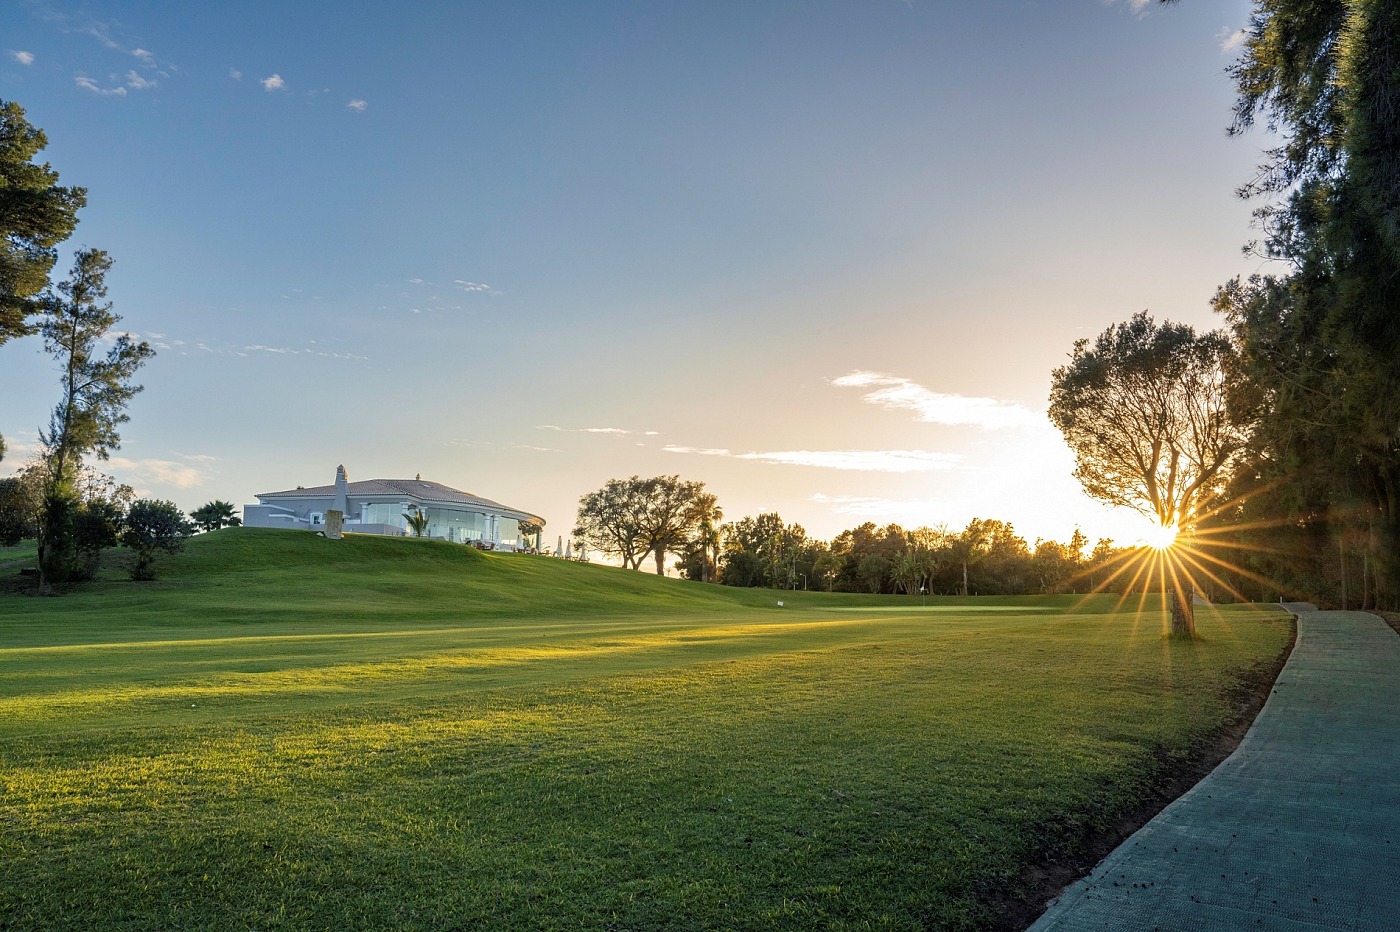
(642, 520)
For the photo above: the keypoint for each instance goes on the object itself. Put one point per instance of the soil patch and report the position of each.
(1043, 882)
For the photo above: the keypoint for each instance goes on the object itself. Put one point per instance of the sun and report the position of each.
(1160, 536)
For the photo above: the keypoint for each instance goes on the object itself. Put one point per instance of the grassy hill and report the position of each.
(289, 732)
(245, 575)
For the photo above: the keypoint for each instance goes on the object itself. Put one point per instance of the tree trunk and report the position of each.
(660, 561)
(1183, 613)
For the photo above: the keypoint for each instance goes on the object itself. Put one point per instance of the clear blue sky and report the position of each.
(524, 248)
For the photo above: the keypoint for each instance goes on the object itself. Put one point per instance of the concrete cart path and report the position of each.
(1299, 829)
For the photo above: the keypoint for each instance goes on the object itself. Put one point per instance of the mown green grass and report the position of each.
(25, 553)
(290, 732)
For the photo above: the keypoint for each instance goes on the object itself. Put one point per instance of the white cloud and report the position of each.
(24, 58)
(416, 281)
(615, 431)
(293, 351)
(88, 84)
(477, 287)
(21, 448)
(891, 391)
(144, 57)
(898, 461)
(878, 509)
(138, 83)
(99, 32)
(235, 74)
(163, 341)
(699, 451)
(180, 475)
(273, 82)
(1139, 8)
(357, 105)
(1231, 41)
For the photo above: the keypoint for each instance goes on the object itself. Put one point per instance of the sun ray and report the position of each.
(1188, 554)
(1236, 568)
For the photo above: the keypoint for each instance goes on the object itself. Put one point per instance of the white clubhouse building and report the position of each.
(378, 506)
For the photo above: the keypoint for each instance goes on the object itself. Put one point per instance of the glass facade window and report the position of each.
(385, 514)
(461, 527)
(458, 526)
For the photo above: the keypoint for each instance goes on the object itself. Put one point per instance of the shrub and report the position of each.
(153, 526)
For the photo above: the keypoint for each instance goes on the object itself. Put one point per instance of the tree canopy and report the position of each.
(636, 517)
(36, 214)
(152, 526)
(1145, 408)
(1319, 341)
(95, 387)
(95, 390)
(214, 515)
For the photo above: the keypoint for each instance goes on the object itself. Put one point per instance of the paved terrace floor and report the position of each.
(1298, 830)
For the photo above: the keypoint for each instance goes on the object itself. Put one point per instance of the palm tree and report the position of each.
(214, 515)
(417, 522)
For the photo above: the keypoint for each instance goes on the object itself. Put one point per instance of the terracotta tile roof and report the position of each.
(421, 491)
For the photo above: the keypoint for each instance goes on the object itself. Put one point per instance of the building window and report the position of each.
(391, 514)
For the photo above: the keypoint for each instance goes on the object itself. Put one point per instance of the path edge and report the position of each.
(1042, 884)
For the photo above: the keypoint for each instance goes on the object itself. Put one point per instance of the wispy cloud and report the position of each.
(894, 392)
(1138, 7)
(106, 33)
(131, 80)
(295, 351)
(88, 84)
(165, 343)
(21, 449)
(273, 82)
(24, 58)
(100, 32)
(1231, 41)
(357, 105)
(614, 431)
(169, 472)
(235, 74)
(475, 287)
(898, 461)
(874, 508)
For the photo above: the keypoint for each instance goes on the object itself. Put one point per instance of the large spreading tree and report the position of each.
(1146, 409)
(636, 518)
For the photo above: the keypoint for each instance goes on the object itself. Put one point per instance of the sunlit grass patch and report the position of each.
(714, 763)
